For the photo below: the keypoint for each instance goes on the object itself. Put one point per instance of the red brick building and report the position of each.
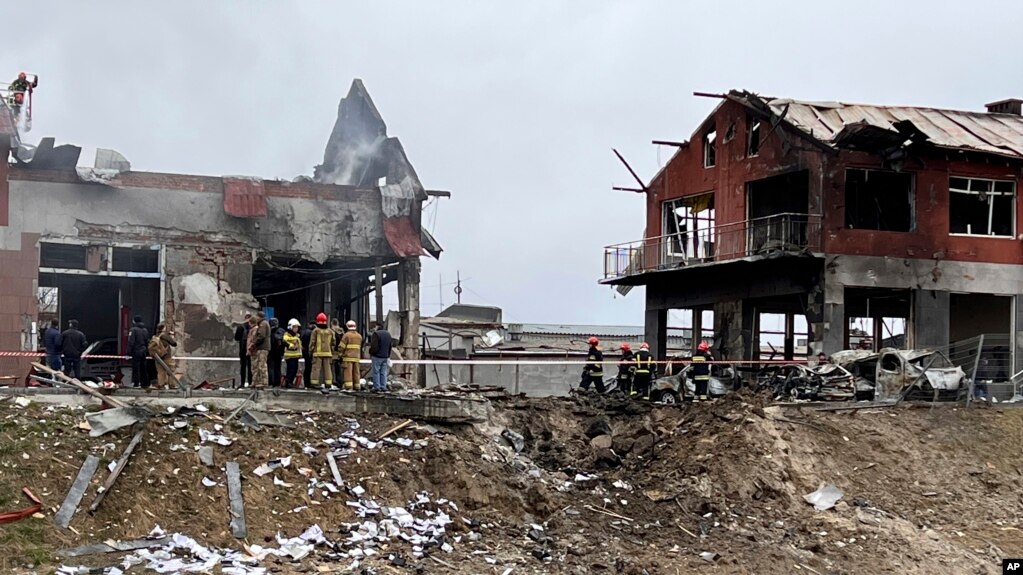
(832, 212)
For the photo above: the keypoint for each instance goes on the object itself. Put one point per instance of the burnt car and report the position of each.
(679, 384)
(919, 374)
(826, 382)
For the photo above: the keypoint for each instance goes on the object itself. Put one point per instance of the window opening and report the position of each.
(879, 200)
(709, 148)
(981, 207)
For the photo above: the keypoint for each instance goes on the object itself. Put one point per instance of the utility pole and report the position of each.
(458, 286)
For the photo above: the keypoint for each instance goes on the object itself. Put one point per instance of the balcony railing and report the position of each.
(760, 236)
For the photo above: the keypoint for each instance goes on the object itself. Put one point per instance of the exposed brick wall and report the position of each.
(19, 276)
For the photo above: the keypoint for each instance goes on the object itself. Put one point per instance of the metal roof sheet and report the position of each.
(1000, 134)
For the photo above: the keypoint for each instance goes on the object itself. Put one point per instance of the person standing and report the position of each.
(626, 370)
(350, 349)
(701, 370)
(292, 352)
(593, 371)
(644, 371)
(307, 354)
(259, 349)
(322, 343)
(241, 335)
(162, 346)
(276, 352)
(138, 341)
(335, 358)
(53, 344)
(73, 344)
(380, 354)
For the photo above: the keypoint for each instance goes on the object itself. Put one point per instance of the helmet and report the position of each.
(350, 324)
(704, 346)
(593, 341)
(22, 76)
(321, 317)
(293, 323)
(626, 347)
(645, 346)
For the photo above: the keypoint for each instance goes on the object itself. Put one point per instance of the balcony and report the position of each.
(771, 235)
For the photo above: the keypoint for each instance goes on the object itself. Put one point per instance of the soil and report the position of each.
(614, 487)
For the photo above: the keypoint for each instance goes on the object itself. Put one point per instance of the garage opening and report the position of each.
(876, 318)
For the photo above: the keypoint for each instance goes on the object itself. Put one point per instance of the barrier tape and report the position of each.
(456, 361)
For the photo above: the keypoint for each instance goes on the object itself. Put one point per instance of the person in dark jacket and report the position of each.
(73, 344)
(626, 370)
(51, 339)
(379, 353)
(593, 371)
(138, 349)
(241, 335)
(306, 336)
(701, 370)
(645, 371)
(276, 352)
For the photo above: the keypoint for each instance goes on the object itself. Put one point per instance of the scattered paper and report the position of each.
(824, 498)
(208, 482)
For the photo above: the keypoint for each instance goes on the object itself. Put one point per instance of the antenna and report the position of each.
(458, 286)
(440, 290)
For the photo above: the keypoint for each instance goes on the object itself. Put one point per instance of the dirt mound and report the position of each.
(580, 485)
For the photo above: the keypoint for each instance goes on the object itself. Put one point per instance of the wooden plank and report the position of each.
(74, 496)
(396, 428)
(121, 463)
(334, 471)
(234, 491)
(170, 372)
(108, 399)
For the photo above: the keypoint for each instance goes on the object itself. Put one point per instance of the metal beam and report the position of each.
(628, 167)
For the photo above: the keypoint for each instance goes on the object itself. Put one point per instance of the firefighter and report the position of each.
(321, 344)
(626, 370)
(701, 370)
(350, 350)
(17, 90)
(593, 371)
(644, 371)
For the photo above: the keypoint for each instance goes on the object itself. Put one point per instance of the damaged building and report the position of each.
(826, 213)
(105, 243)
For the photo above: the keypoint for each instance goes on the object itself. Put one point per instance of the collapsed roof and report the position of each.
(866, 126)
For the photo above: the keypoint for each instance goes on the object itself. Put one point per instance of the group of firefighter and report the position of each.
(636, 371)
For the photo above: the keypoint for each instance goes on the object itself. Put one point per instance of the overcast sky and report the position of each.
(513, 107)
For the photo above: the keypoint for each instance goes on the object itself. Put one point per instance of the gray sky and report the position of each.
(514, 107)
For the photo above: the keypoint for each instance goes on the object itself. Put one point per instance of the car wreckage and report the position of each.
(679, 384)
(826, 382)
(913, 374)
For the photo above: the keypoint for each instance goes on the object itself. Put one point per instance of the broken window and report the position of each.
(67, 256)
(982, 207)
(752, 135)
(709, 148)
(879, 200)
(689, 226)
(49, 298)
(136, 260)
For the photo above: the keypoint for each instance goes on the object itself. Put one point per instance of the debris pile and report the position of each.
(577, 485)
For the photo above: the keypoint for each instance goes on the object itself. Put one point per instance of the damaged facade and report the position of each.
(833, 212)
(103, 244)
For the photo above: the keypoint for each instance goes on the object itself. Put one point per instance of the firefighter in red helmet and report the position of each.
(644, 371)
(593, 371)
(321, 345)
(626, 369)
(701, 370)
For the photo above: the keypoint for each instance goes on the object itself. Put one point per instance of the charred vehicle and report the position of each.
(679, 383)
(920, 374)
(826, 382)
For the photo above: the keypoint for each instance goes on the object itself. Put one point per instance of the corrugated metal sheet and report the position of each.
(1000, 134)
(244, 197)
(402, 236)
(8, 129)
(609, 331)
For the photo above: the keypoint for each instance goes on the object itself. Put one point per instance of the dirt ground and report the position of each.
(614, 486)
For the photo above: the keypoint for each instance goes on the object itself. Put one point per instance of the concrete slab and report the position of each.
(429, 407)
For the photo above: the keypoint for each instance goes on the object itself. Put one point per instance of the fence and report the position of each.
(987, 361)
(782, 232)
